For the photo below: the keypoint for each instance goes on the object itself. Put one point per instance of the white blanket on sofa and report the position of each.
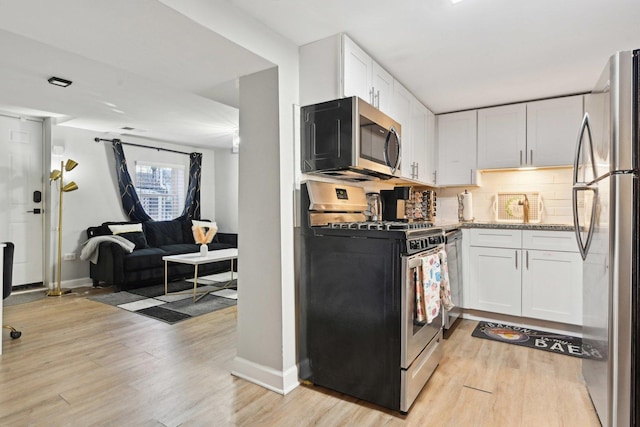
(91, 248)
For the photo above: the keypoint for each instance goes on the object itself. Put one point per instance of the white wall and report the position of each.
(97, 199)
(271, 360)
(226, 189)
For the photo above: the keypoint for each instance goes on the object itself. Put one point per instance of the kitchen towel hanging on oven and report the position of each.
(431, 276)
(445, 288)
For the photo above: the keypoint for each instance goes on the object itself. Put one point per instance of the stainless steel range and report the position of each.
(358, 330)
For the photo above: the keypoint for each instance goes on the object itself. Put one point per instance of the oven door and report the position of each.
(415, 334)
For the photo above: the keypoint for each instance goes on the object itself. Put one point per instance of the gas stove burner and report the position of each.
(381, 225)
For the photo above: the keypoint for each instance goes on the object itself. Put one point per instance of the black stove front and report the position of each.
(351, 303)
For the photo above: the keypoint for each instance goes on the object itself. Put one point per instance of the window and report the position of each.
(161, 189)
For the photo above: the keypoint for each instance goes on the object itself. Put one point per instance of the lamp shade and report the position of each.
(71, 186)
(70, 165)
(55, 174)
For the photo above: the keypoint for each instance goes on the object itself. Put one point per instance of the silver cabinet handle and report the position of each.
(377, 96)
(531, 157)
(471, 180)
(527, 260)
(417, 170)
(516, 260)
(435, 176)
(371, 98)
(520, 157)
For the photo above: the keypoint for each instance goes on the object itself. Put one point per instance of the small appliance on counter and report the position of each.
(394, 203)
(374, 207)
(465, 207)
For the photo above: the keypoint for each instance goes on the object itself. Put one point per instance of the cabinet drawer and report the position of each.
(496, 237)
(545, 240)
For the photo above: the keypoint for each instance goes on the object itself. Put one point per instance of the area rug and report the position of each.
(152, 302)
(541, 340)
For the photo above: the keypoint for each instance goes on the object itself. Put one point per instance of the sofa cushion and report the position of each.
(142, 259)
(131, 232)
(161, 233)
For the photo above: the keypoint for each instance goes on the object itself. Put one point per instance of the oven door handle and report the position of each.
(416, 259)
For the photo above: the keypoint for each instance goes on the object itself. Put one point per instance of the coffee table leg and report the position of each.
(165, 276)
(195, 284)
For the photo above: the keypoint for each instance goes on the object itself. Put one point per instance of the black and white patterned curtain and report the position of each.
(128, 194)
(192, 201)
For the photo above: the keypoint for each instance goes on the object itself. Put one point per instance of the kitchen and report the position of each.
(455, 62)
(519, 262)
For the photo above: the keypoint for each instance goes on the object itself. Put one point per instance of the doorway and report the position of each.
(22, 211)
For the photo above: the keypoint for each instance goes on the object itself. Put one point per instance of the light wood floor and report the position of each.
(82, 363)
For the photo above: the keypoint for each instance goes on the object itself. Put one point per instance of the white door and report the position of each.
(21, 145)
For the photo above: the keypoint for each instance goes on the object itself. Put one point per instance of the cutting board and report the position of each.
(508, 209)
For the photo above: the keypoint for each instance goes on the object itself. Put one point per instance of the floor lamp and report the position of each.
(64, 188)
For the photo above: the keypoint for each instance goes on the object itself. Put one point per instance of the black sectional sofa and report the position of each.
(144, 266)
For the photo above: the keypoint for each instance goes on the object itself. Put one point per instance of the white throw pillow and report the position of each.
(125, 228)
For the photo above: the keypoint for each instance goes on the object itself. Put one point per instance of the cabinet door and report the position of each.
(552, 286)
(428, 172)
(422, 122)
(383, 84)
(495, 280)
(552, 129)
(456, 148)
(400, 111)
(357, 71)
(502, 133)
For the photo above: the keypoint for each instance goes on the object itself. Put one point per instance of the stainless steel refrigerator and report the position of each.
(606, 196)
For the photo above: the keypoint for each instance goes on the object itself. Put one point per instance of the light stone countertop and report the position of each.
(514, 226)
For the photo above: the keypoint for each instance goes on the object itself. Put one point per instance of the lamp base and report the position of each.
(58, 292)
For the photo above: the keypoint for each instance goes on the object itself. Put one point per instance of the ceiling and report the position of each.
(135, 64)
(474, 53)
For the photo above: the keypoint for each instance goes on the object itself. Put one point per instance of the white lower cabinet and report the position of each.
(523, 274)
(552, 286)
(496, 280)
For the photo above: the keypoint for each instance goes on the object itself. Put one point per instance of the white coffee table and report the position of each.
(196, 259)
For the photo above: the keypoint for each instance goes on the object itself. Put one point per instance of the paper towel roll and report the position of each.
(467, 206)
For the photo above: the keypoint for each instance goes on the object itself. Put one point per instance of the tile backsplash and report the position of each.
(554, 186)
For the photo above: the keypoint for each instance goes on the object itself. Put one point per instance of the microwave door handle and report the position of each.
(391, 132)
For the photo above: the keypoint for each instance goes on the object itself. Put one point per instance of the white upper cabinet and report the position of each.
(423, 141)
(400, 111)
(539, 133)
(457, 162)
(502, 136)
(365, 78)
(357, 71)
(552, 130)
(336, 67)
(382, 87)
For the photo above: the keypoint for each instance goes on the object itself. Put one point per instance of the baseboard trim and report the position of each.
(74, 283)
(281, 382)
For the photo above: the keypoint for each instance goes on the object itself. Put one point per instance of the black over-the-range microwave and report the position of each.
(349, 138)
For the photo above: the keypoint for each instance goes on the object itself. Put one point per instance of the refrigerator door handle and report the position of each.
(583, 246)
(576, 160)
